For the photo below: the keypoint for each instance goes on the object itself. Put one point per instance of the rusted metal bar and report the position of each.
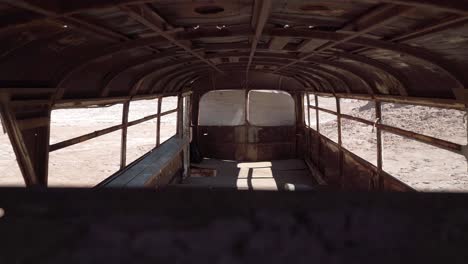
(432, 102)
(442, 63)
(340, 142)
(377, 17)
(147, 17)
(63, 104)
(395, 73)
(309, 139)
(456, 148)
(302, 67)
(151, 117)
(452, 20)
(317, 116)
(180, 116)
(440, 143)
(308, 109)
(338, 113)
(187, 121)
(261, 11)
(75, 23)
(317, 113)
(162, 78)
(378, 116)
(158, 124)
(105, 131)
(123, 144)
(186, 132)
(120, 69)
(325, 110)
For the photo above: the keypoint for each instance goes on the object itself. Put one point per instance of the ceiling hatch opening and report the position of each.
(209, 10)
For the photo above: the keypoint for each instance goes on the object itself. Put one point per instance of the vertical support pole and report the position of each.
(317, 114)
(319, 141)
(340, 142)
(18, 143)
(246, 154)
(39, 145)
(123, 144)
(246, 106)
(378, 116)
(194, 106)
(158, 123)
(299, 124)
(305, 106)
(186, 132)
(187, 116)
(465, 147)
(309, 138)
(180, 116)
(308, 109)
(36, 140)
(338, 111)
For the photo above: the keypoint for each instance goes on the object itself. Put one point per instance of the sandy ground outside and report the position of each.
(422, 166)
(88, 163)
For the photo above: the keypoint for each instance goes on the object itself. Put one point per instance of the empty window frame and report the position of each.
(10, 173)
(328, 103)
(313, 112)
(310, 114)
(89, 162)
(142, 108)
(222, 108)
(446, 124)
(141, 138)
(306, 110)
(169, 103)
(271, 108)
(169, 117)
(85, 164)
(70, 123)
(328, 125)
(422, 166)
(358, 108)
(360, 139)
(168, 127)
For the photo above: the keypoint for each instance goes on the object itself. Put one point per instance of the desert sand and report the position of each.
(88, 163)
(421, 166)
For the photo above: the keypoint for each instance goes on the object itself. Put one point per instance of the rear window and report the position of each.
(222, 108)
(271, 108)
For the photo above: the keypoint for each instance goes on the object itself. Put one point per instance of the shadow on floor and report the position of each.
(266, 175)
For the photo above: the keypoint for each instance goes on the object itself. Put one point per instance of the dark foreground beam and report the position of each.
(187, 226)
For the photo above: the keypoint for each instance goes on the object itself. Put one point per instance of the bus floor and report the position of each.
(267, 175)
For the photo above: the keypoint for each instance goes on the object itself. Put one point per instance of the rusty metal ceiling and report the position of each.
(108, 48)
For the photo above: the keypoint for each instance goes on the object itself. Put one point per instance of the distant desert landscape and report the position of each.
(88, 163)
(419, 165)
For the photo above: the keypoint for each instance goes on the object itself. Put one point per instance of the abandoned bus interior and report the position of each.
(130, 125)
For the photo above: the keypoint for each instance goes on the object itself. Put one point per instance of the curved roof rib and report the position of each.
(156, 46)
